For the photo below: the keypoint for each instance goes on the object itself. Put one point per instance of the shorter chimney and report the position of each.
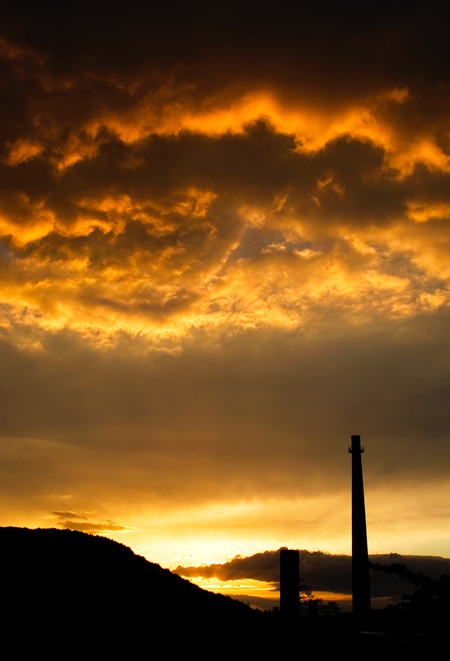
(289, 582)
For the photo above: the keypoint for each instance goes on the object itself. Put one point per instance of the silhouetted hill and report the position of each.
(80, 589)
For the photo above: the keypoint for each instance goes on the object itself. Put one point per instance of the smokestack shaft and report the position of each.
(360, 555)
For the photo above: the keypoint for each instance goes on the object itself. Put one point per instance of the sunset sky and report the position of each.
(224, 248)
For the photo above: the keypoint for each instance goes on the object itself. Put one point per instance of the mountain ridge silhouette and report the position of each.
(67, 581)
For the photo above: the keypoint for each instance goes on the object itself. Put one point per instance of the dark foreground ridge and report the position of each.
(73, 586)
(69, 591)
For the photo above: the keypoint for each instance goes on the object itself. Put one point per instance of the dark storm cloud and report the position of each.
(72, 113)
(341, 185)
(322, 572)
(129, 219)
(334, 39)
(345, 182)
(326, 54)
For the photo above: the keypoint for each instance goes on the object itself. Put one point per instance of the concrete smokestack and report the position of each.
(289, 582)
(360, 555)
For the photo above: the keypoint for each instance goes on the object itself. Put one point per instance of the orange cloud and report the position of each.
(23, 150)
(156, 203)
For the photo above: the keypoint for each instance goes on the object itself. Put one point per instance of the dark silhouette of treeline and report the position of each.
(71, 593)
(426, 609)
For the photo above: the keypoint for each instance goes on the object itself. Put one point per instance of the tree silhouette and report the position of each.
(312, 606)
(428, 606)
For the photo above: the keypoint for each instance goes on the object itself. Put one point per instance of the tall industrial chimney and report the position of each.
(360, 555)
